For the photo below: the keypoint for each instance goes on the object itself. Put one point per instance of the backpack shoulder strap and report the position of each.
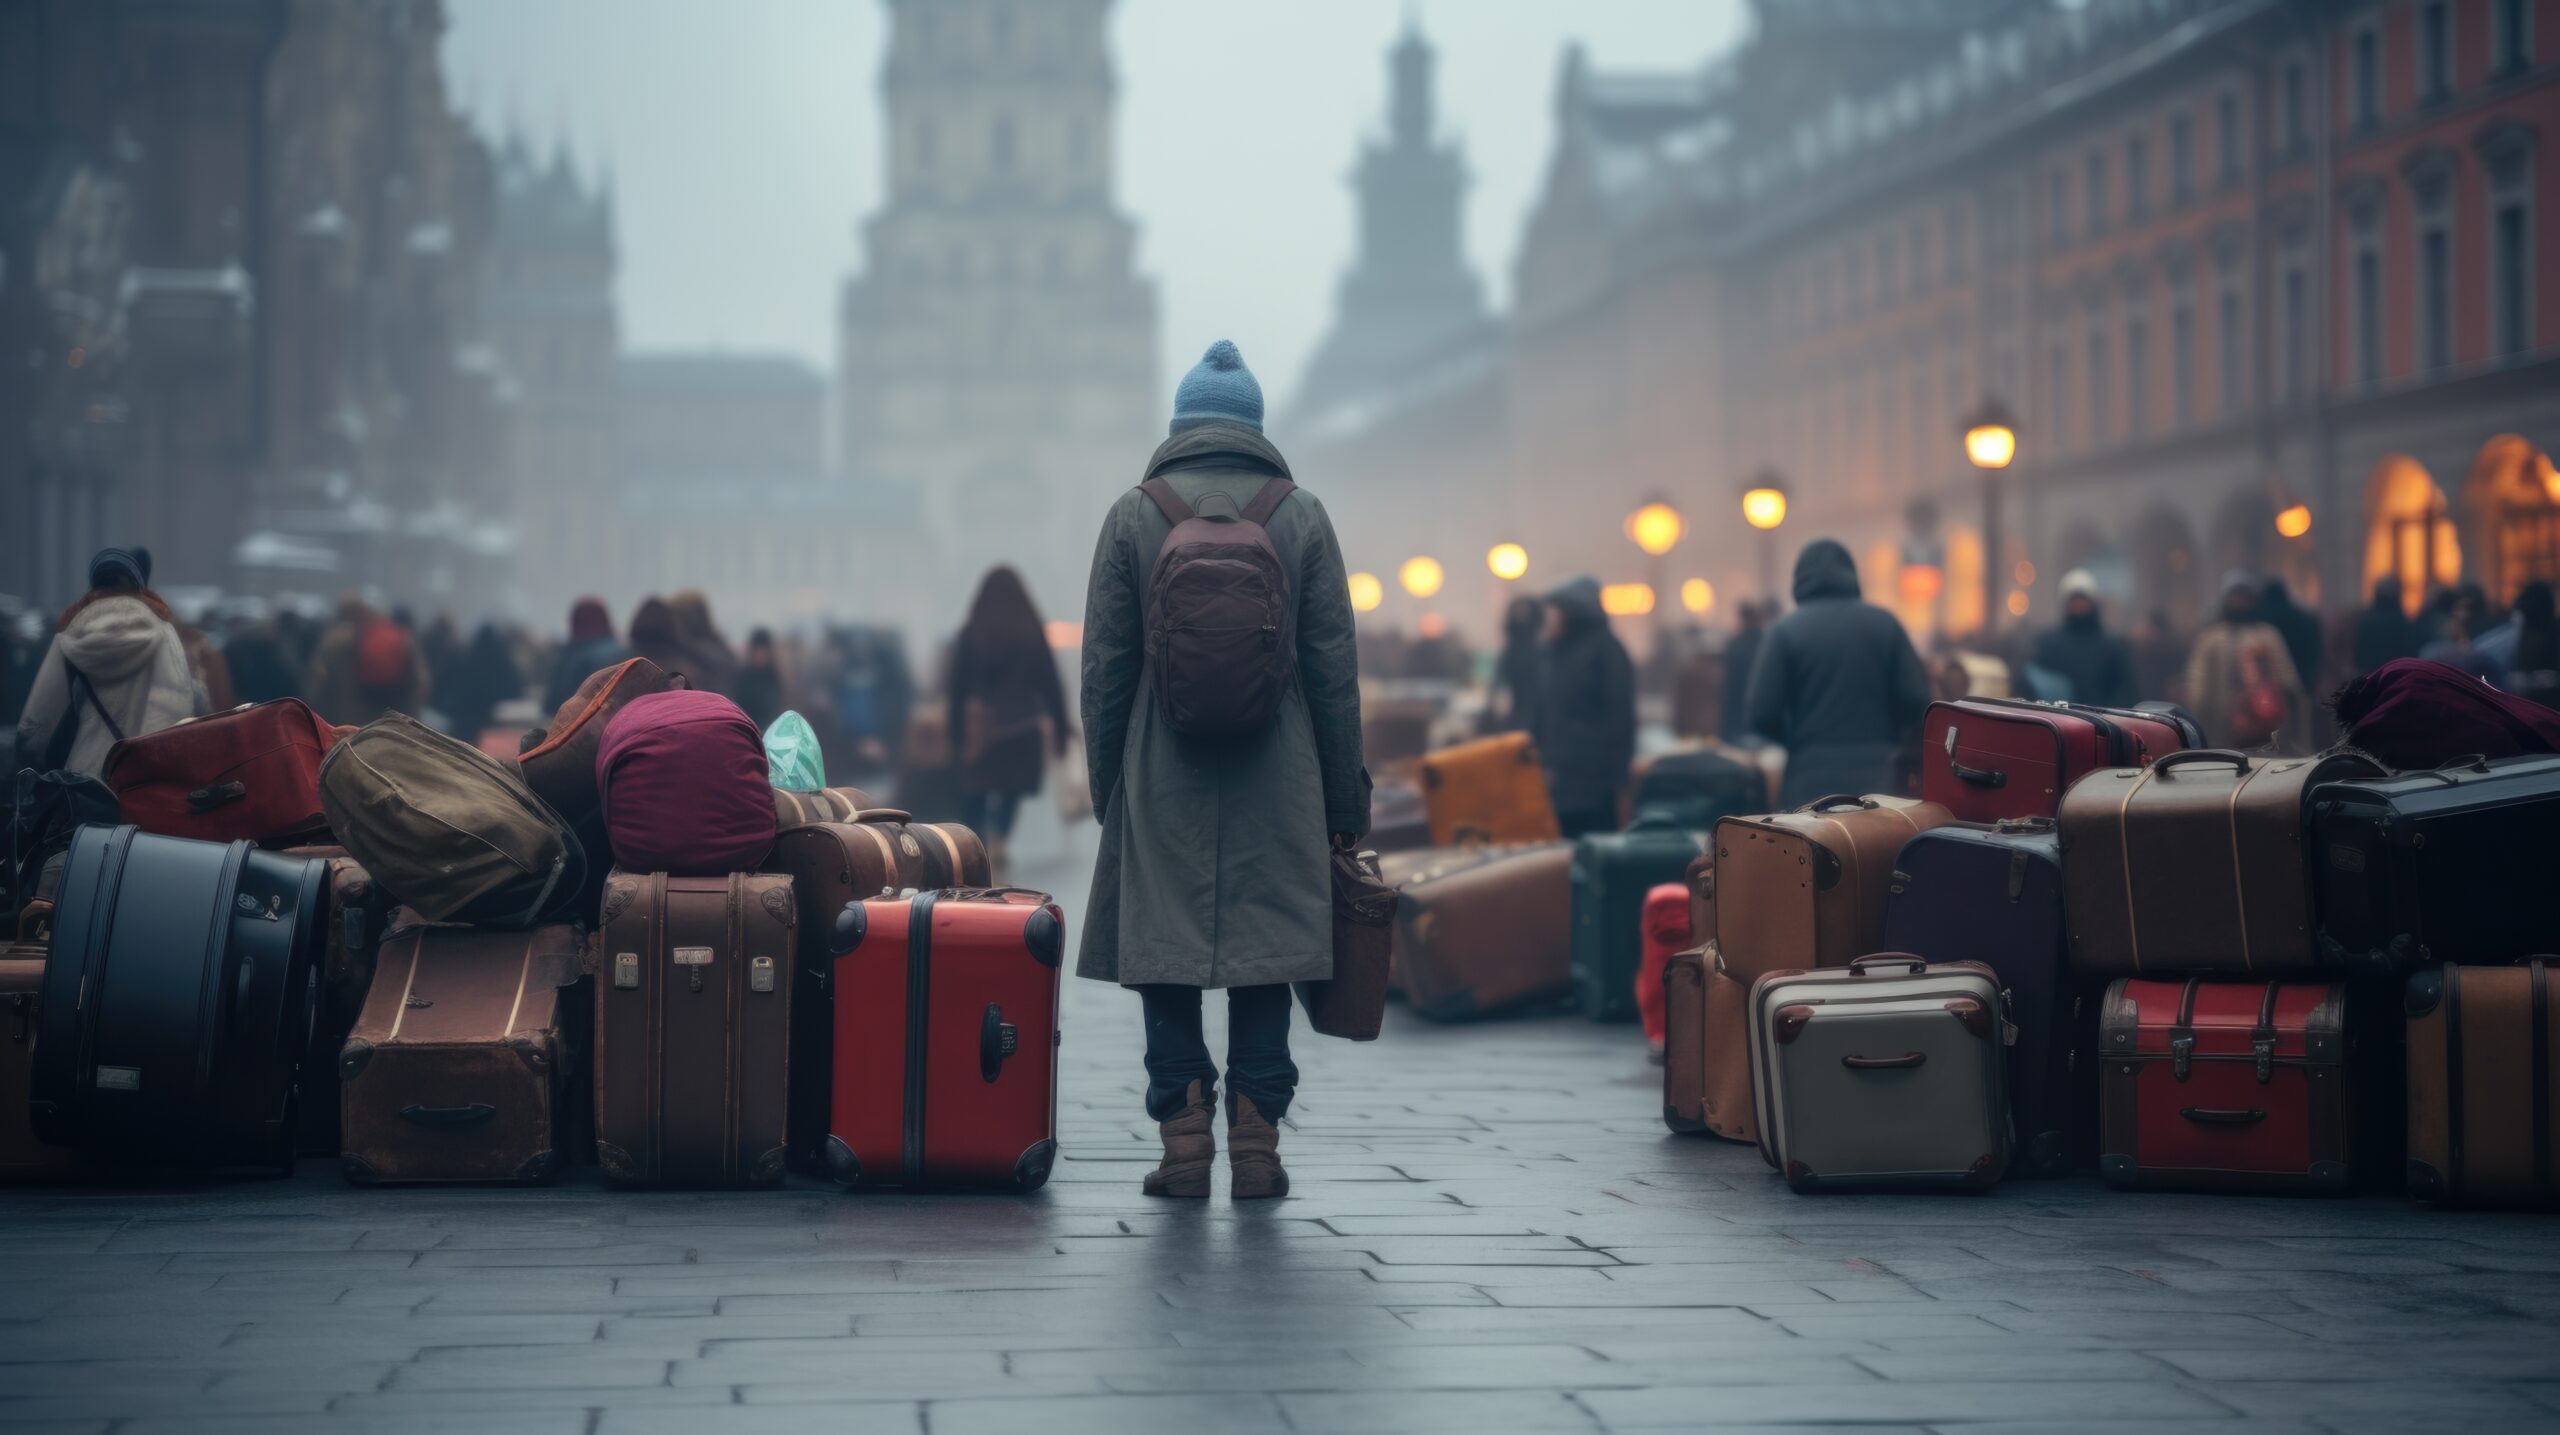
(1176, 511)
(1267, 502)
(89, 690)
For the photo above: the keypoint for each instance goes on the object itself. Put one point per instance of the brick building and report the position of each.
(2221, 257)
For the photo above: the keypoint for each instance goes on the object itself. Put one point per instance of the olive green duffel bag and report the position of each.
(446, 829)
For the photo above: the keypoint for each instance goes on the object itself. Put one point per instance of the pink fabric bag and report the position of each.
(2416, 713)
(685, 787)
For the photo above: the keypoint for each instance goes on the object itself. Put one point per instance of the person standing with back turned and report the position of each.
(1837, 684)
(1222, 733)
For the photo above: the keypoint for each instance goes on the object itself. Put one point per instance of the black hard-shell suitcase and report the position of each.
(177, 1002)
(2454, 864)
(1698, 788)
(1969, 892)
(1612, 872)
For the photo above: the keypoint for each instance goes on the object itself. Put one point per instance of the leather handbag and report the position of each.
(1352, 1003)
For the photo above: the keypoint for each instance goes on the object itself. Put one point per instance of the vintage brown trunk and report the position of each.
(1684, 1043)
(1484, 930)
(455, 1068)
(693, 1029)
(2194, 864)
(2481, 1097)
(1816, 877)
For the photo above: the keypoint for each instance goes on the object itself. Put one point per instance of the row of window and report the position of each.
(925, 149)
(2438, 29)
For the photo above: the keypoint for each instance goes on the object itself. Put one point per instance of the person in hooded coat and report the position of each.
(1215, 869)
(1740, 655)
(1586, 725)
(2384, 630)
(1516, 670)
(656, 635)
(2097, 663)
(1006, 706)
(116, 669)
(1837, 684)
(590, 649)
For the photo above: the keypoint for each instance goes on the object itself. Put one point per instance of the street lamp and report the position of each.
(1991, 444)
(2294, 521)
(1657, 528)
(1421, 576)
(1366, 592)
(1698, 596)
(1508, 561)
(1764, 506)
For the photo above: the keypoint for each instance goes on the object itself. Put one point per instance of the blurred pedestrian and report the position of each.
(1008, 708)
(2458, 632)
(484, 676)
(367, 665)
(2384, 630)
(1586, 728)
(2159, 658)
(262, 669)
(1214, 869)
(2535, 673)
(1752, 626)
(2241, 682)
(116, 668)
(1513, 705)
(759, 680)
(2096, 663)
(1837, 684)
(714, 664)
(655, 636)
(590, 649)
(2303, 640)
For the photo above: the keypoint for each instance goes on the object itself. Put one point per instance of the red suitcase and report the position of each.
(1666, 931)
(248, 775)
(946, 1022)
(2225, 1086)
(1989, 759)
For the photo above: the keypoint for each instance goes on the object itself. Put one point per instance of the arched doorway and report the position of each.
(2408, 531)
(2164, 568)
(2512, 502)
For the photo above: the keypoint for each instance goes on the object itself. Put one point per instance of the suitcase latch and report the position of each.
(626, 971)
(997, 1039)
(2265, 1048)
(760, 974)
(2182, 1054)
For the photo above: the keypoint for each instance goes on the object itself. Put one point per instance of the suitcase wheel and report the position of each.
(1032, 1171)
(843, 1166)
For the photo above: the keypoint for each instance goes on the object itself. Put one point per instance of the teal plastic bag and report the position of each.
(791, 751)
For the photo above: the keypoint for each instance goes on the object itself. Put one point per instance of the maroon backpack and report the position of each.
(1222, 616)
(685, 788)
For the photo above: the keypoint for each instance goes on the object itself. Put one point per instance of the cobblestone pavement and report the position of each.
(1491, 1232)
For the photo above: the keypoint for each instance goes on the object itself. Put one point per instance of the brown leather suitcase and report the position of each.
(2195, 864)
(456, 1068)
(1727, 1106)
(1806, 889)
(693, 1028)
(1684, 1041)
(358, 909)
(23, 1157)
(2482, 1107)
(827, 804)
(1485, 930)
(1491, 790)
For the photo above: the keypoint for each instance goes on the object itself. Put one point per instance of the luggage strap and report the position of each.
(1266, 501)
(2182, 1032)
(2262, 1039)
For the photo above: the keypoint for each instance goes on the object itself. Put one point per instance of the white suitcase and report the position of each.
(1890, 1072)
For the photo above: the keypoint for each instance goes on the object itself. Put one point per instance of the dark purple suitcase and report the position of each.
(1969, 892)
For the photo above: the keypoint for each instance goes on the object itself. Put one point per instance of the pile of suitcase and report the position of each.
(2094, 944)
(386, 945)
(1498, 914)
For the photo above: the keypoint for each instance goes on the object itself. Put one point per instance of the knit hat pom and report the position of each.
(1223, 357)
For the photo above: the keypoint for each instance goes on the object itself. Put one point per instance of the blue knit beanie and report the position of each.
(1219, 389)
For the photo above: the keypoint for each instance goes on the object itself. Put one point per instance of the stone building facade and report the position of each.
(2222, 258)
(998, 353)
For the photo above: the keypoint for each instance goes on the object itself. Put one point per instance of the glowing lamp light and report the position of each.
(1433, 625)
(2026, 572)
(1064, 633)
(2017, 602)
(2295, 521)
(1366, 592)
(1508, 561)
(1991, 437)
(1656, 528)
(1922, 582)
(2550, 475)
(1421, 576)
(1764, 508)
(1627, 600)
(1698, 596)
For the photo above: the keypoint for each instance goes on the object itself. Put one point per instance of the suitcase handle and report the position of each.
(1978, 776)
(2184, 756)
(883, 814)
(1840, 799)
(471, 1115)
(1916, 963)
(2220, 1116)
(34, 921)
(1884, 1063)
(206, 799)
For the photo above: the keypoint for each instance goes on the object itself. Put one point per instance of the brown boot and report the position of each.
(1253, 1152)
(1189, 1148)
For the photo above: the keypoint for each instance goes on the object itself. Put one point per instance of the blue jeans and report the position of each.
(1258, 1062)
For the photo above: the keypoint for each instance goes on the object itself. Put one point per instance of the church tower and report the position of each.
(998, 352)
(1409, 291)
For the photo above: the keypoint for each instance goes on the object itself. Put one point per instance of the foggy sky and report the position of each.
(743, 138)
